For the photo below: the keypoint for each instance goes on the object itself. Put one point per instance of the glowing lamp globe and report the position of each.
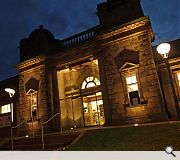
(164, 49)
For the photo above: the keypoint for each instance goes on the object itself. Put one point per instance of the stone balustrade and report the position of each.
(79, 38)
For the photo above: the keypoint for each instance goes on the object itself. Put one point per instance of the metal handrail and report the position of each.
(19, 124)
(12, 143)
(42, 128)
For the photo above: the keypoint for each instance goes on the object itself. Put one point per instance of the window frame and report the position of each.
(128, 92)
(128, 72)
(177, 83)
(88, 80)
(30, 97)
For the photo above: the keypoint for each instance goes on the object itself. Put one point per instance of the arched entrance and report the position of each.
(92, 102)
(80, 95)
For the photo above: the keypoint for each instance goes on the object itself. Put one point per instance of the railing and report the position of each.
(83, 36)
(12, 145)
(42, 128)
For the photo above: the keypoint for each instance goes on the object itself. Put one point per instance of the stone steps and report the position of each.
(51, 142)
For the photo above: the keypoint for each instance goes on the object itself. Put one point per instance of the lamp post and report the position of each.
(164, 49)
(11, 94)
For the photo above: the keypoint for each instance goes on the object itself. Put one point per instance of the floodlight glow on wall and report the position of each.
(164, 49)
(10, 91)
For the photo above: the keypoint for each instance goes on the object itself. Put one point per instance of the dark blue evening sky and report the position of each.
(18, 18)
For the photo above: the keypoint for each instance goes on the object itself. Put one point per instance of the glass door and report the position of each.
(93, 110)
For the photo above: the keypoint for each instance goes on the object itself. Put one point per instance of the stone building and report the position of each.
(107, 75)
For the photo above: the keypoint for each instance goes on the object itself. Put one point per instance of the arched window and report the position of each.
(32, 103)
(89, 82)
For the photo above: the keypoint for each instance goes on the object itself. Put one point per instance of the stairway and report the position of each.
(51, 142)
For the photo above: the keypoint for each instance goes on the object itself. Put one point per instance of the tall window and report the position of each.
(178, 83)
(90, 82)
(178, 77)
(32, 103)
(132, 88)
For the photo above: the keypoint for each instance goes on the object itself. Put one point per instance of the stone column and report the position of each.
(104, 88)
(56, 102)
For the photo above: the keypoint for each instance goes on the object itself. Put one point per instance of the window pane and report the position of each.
(99, 102)
(97, 81)
(128, 80)
(5, 108)
(132, 87)
(88, 79)
(98, 94)
(90, 84)
(131, 80)
(34, 99)
(178, 75)
(91, 78)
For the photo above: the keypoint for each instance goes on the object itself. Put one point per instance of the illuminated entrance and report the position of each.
(80, 95)
(92, 103)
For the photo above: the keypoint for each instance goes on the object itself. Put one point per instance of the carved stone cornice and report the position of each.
(144, 21)
(31, 62)
(173, 62)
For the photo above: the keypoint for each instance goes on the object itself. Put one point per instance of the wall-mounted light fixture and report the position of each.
(10, 91)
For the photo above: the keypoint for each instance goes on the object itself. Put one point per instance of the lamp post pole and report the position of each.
(164, 49)
(163, 96)
(11, 94)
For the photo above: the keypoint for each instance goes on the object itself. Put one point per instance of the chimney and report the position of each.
(116, 12)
